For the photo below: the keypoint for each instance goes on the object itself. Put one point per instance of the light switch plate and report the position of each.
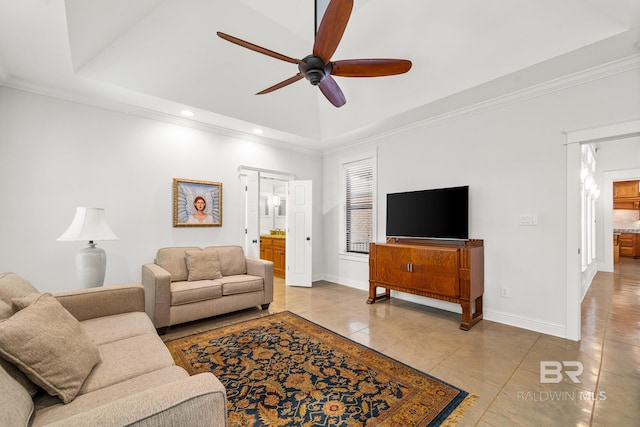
(528, 219)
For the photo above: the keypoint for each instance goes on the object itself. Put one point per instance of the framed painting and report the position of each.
(197, 203)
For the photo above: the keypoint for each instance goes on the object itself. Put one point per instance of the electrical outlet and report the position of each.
(504, 292)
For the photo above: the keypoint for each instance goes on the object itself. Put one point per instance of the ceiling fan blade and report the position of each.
(370, 67)
(331, 28)
(281, 84)
(332, 91)
(257, 48)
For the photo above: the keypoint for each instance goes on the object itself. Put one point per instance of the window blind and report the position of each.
(359, 205)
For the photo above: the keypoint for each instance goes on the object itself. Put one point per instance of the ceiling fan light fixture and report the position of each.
(315, 76)
(318, 67)
(314, 69)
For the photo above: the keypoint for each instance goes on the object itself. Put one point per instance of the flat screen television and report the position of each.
(441, 213)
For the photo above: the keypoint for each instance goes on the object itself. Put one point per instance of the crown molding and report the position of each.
(147, 113)
(535, 91)
(562, 83)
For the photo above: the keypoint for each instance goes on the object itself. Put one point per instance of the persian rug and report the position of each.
(283, 370)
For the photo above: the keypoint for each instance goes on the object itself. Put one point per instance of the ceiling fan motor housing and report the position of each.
(314, 69)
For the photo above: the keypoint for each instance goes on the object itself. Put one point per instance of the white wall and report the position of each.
(513, 157)
(56, 155)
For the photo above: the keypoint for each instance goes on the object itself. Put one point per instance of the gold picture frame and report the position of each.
(197, 203)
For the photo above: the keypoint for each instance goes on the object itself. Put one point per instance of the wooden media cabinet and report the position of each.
(447, 270)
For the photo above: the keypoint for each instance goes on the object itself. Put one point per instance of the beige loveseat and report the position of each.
(190, 283)
(92, 357)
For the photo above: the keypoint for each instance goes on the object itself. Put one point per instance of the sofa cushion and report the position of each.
(201, 290)
(16, 405)
(127, 358)
(19, 376)
(232, 285)
(12, 286)
(48, 344)
(173, 260)
(104, 330)
(232, 260)
(50, 410)
(202, 265)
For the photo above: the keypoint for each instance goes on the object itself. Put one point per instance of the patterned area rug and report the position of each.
(283, 370)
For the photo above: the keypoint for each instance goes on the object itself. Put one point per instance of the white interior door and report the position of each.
(299, 238)
(252, 220)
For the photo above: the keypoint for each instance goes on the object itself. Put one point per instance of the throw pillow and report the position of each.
(173, 260)
(49, 345)
(5, 310)
(232, 259)
(202, 265)
(12, 286)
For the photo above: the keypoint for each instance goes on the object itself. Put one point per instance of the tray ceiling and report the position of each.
(164, 56)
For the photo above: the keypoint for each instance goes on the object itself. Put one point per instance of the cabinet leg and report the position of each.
(469, 319)
(373, 294)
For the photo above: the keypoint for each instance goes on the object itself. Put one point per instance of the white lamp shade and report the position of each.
(88, 224)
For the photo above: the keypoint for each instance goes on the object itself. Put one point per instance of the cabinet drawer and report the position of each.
(626, 239)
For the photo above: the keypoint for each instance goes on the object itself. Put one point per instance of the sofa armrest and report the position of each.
(264, 269)
(91, 303)
(196, 401)
(157, 294)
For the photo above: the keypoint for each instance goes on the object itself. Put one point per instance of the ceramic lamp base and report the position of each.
(91, 264)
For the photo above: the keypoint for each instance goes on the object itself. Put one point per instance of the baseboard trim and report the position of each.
(534, 325)
(530, 324)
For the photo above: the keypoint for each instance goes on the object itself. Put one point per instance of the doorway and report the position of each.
(275, 205)
(574, 285)
(255, 209)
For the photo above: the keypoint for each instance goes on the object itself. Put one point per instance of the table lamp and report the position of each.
(91, 262)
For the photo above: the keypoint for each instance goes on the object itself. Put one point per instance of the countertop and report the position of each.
(626, 230)
(280, 236)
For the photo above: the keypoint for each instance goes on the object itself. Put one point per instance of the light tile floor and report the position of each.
(498, 363)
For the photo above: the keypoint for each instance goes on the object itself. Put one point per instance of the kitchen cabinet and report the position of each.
(629, 245)
(626, 189)
(626, 195)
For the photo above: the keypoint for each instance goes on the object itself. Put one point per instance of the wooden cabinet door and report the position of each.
(436, 270)
(266, 248)
(625, 189)
(279, 254)
(392, 265)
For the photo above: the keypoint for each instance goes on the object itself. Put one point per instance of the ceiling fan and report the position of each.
(318, 67)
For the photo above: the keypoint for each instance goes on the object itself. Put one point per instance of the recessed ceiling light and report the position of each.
(187, 113)
(257, 131)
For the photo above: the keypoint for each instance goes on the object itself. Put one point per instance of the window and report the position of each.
(589, 193)
(359, 220)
